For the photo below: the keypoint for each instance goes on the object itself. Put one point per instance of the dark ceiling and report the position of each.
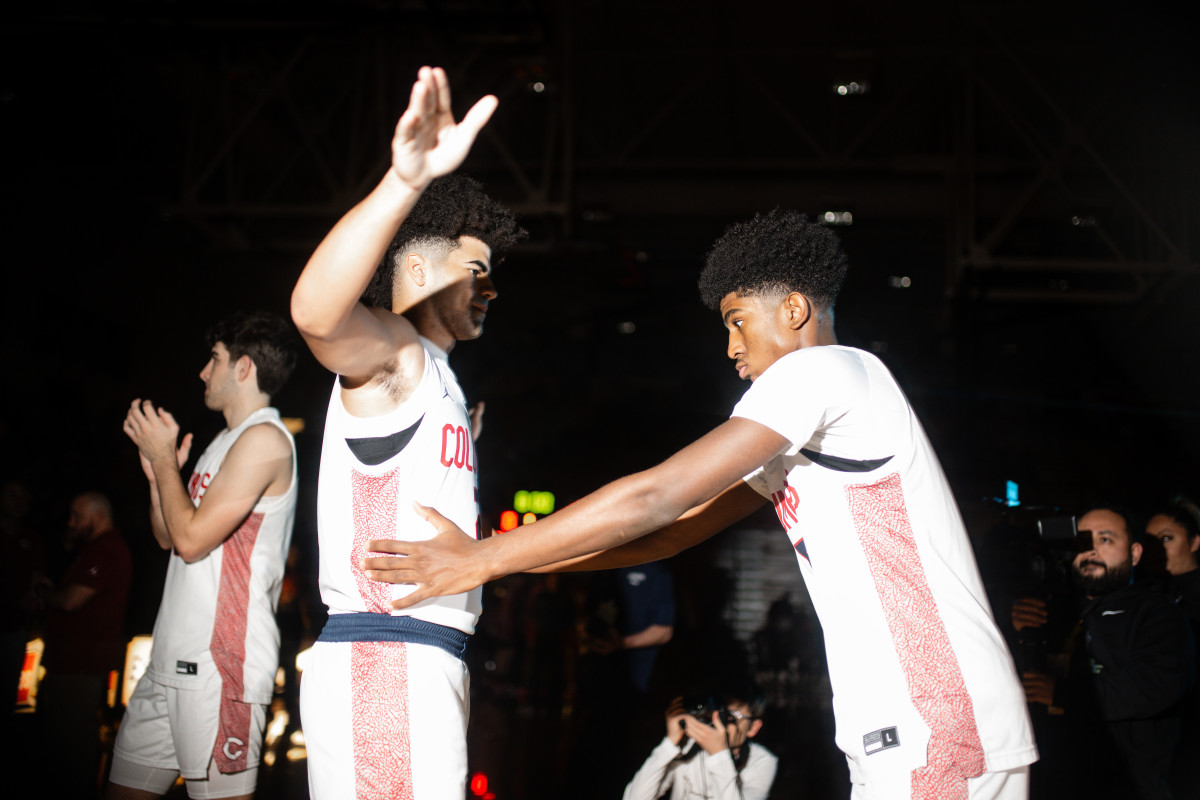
(1022, 177)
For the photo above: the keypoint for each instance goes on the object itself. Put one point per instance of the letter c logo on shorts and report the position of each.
(233, 755)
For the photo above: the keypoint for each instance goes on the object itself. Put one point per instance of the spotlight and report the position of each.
(838, 218)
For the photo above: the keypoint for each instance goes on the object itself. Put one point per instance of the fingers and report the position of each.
(394, 546)
(411, 599)
(430, 515)
(185, 448)
(441, 87)
(478, 116)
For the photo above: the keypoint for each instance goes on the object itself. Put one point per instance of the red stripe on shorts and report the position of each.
(380, 718)
(935, 681)
(228, 646)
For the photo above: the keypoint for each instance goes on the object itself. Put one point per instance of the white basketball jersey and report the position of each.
(920, 672)
(217, 615)
(373, 469)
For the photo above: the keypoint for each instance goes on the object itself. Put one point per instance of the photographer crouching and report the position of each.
(707, 752)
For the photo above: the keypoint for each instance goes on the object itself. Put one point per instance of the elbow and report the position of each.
(303, 313)
(190, 553)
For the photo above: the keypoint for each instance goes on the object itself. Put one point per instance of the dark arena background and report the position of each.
(1016, 185)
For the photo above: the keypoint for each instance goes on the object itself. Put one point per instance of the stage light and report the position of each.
(838, 218)
(529, 518)
(508, 521)
(852, 87)
(899, 281)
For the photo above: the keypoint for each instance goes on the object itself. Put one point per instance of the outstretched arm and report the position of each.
(260, 462)
(616, 514)
(697, 525)
(343, 334)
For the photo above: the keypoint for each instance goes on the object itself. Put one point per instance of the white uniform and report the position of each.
(385, 697)
(925, 695)
(216, 644)
(711, 776)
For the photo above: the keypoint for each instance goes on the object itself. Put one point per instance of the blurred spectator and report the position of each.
(1121, 673)
(23, 556)
(85, 633)
(707, 752)
(1177, 527)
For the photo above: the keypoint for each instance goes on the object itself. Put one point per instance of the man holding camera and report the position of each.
(1122, 671)
(707, 753)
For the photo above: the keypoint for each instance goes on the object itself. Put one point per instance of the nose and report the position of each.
(204, 373)
(487, 287)
(736, 347)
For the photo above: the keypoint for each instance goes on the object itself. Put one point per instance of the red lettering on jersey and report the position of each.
(462, 448)
(447, 428)
(786, 502)
(198, 484)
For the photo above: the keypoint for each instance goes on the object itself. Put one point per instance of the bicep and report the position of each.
(363, 345)
(259, 457)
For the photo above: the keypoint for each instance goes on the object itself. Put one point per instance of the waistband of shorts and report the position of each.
(370, 627)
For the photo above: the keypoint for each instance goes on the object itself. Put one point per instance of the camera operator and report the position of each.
(707, 753)
(1122, 672)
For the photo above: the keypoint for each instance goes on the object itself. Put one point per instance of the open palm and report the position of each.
(428, 143)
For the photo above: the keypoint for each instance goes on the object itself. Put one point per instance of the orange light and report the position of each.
(529, 518)
(479, 784)
(508, 521)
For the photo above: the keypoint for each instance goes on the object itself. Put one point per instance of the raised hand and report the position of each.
(444, 565)
(676, 721)
(428, 143)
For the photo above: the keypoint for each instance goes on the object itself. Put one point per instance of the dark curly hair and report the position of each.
(782, 250)
(267, 338)
(451, 207)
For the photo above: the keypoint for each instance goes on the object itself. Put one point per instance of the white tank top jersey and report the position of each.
(217, 615)
(920, 672)
(373, 469)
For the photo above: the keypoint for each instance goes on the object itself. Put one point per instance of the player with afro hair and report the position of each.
(451, 207)
(781, 251)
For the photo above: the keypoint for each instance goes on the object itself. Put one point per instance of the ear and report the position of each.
(1135, 550)
(1195, 545)
(755, 727)
(414, 265)
(244, 368)
(797, 310)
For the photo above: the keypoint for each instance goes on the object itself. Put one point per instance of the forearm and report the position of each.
(614, 516)
(175, 509)
(158, 526)
(342, 265)
(649, 637)
(698, 525)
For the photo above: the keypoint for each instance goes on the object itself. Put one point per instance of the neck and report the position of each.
(426, 324)
(243, 406)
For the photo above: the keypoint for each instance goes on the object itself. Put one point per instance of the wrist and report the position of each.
(400, 188)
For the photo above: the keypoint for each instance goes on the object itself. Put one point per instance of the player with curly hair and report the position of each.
(384, 697)
(926, 698)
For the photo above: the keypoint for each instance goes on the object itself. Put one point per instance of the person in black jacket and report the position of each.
(1114, 694)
